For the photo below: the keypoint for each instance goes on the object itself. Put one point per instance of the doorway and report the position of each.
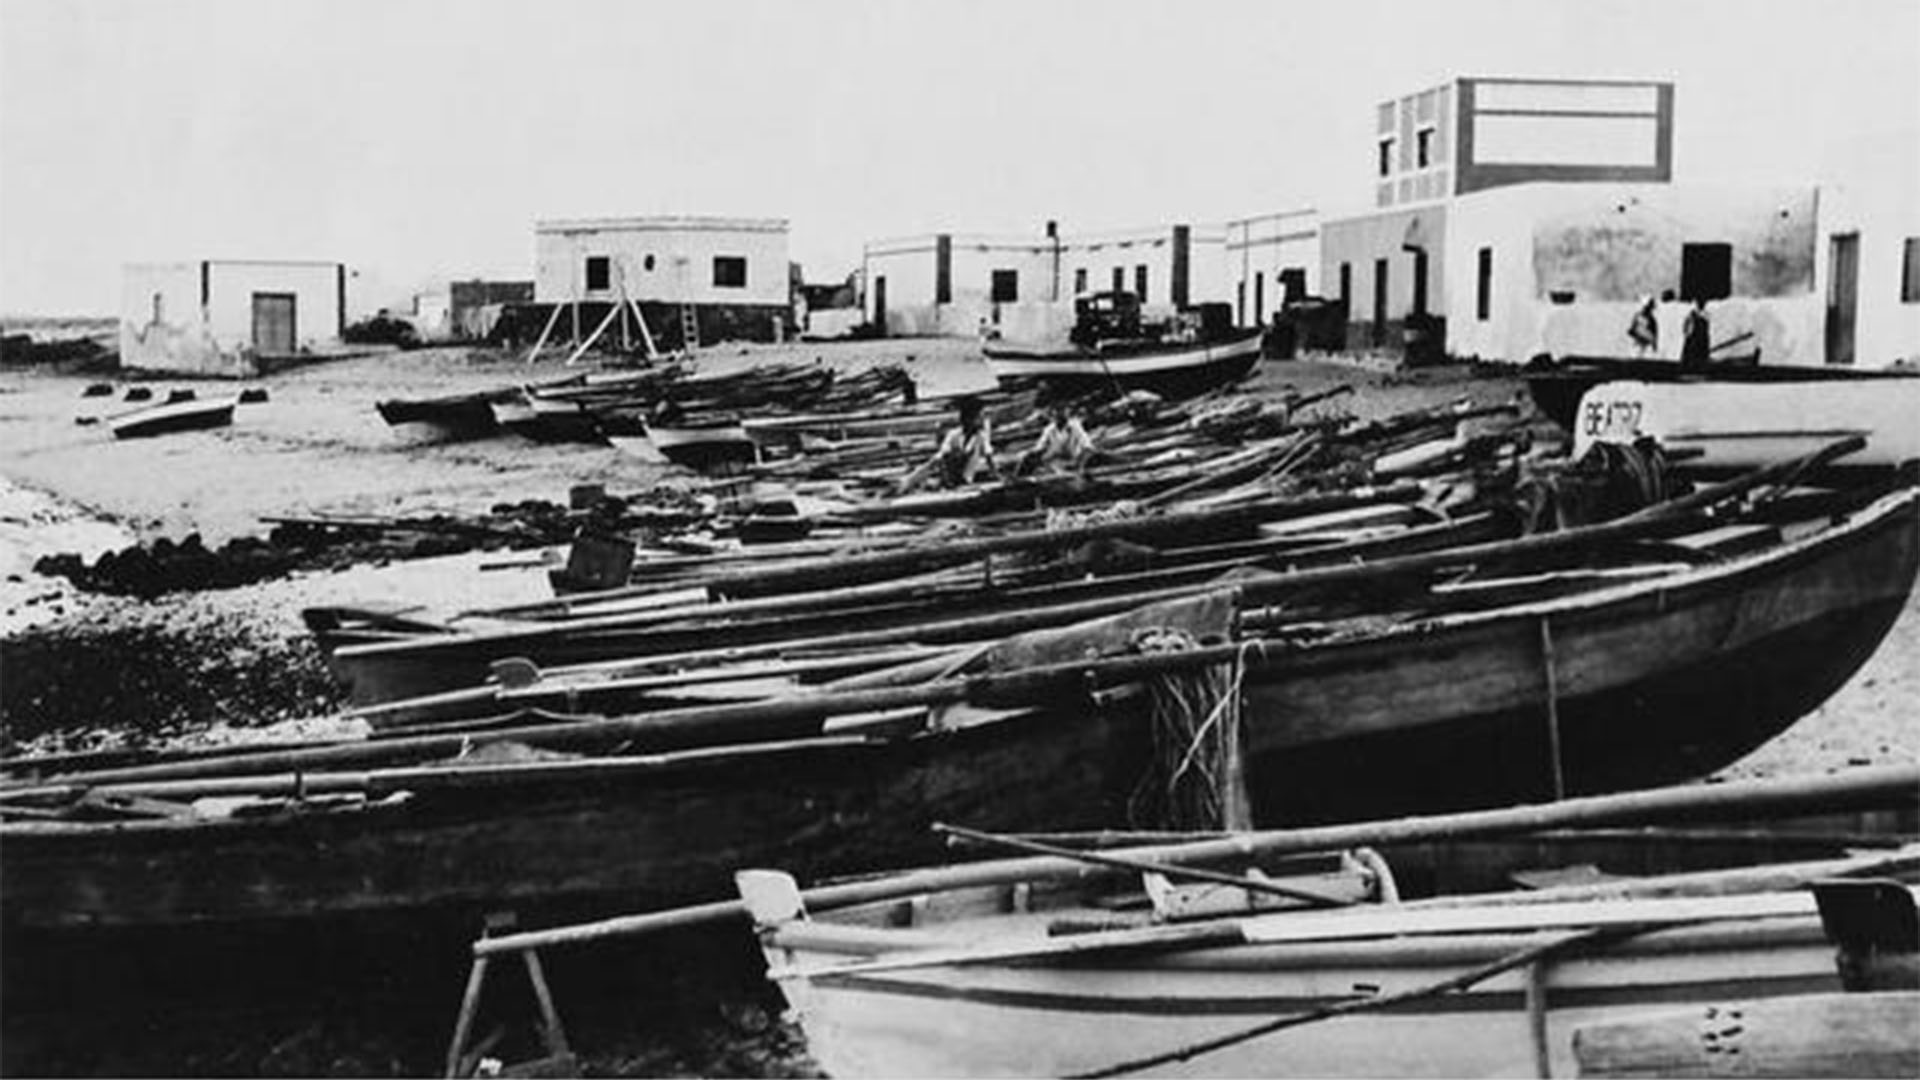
(880, 304)
(273, 324)
(1843, 296)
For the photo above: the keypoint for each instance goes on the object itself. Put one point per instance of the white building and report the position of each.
(227, 317)
(1869, 253)
(731, 273)
(1560, 268)
(945, 284)
(1271, 259)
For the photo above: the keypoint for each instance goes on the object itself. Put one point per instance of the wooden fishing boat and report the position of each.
(189, 414)
(452, 415)
(1168, 368)
(1339, 965)
(455, 839)
(1647, 681)
(1746, 425)
(1558, 385)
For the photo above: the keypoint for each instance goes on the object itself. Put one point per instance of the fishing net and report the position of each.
(1193, 779)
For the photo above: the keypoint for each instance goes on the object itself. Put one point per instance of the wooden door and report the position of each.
(273, 324)
(1843, 296)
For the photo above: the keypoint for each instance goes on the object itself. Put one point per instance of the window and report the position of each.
(1346, 284)
(647, 263)
(599, 272)
(1293, 284)
(1080, 281)
(1910, 272)
(1423, 147)
(1006, 286)
(1483, 294)
(1140, 282)
(1119, 279)
(729, 272)
(1386, 157)
(1379, 301)
(160, 307)
(1706, 271)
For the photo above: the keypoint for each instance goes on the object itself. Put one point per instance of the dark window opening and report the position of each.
(1379, 301)
(1420, 281)
(1562, 297)
(729, 272)
(1910, 272)
(647, 263)
(1006, 286)
(599, 271)
(1080, 281)
(1706, 271)
(1119, 279)
(1140, 283)
(1346, 283)
(1423, 147)
(1293, 284)
(1483, 292)
(1386, 157)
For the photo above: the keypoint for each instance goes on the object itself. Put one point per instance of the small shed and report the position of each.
(228, 317)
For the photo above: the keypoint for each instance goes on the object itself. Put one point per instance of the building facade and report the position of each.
(959, 285)
(1561, 268)
(228, 317)
(1868, 253)
(1272, 259)
(730, 274)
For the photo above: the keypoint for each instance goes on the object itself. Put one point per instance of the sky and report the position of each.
(417, 140)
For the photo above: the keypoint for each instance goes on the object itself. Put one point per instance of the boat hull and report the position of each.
(1746, 426)
(1173, 371)
(1066, 1019)
(656, 837)
(1556, 390)
(1652, 683)
(175, 416)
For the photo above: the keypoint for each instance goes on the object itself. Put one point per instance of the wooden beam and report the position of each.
(1807, 1035)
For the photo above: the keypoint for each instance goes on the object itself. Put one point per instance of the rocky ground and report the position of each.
(80, 670)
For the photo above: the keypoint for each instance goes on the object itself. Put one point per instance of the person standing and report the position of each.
(1645, 330)
(1696, 337)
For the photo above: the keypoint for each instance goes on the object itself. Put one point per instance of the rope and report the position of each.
(1530, 954)
(1194, 718)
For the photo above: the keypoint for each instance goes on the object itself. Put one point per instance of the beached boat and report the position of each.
(187, 414)
(1111, 346)
(1746, 425)
(1389, 680)
(1557, 386)
(1401, 949)
(460, 837)
(452, 415)
(1168, 368)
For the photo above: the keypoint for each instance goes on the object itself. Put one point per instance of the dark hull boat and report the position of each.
(1556, 387)
(1671, 674)
(601, 834)
(1647, 683)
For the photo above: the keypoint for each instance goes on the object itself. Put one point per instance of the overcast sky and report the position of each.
(419, 140)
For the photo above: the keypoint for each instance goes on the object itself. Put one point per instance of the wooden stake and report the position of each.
(1555, 765)
(553, 319)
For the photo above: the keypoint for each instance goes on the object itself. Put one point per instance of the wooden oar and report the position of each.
(1890, 785)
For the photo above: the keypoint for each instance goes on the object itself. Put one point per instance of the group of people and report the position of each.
(966, 456)
(1696, 334)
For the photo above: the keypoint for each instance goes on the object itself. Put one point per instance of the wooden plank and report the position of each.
(1856, 1035)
